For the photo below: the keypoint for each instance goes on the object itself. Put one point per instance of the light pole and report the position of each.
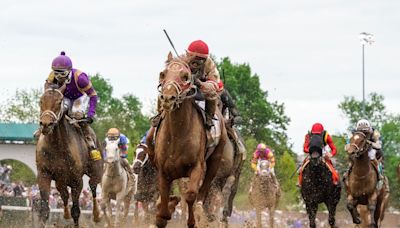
(365, 38)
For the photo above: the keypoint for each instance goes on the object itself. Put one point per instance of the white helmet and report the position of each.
(363, 125)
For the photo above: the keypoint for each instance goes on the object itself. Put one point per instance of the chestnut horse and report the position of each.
(361, 186)
(63, 156)
(180, 145)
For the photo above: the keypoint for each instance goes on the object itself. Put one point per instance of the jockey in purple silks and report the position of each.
(78, 93)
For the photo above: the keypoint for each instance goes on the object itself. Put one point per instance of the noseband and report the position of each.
(360, 149)
(53, 115)
(182, 88)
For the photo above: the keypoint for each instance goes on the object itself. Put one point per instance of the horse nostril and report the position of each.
(41, 123)
(162, 97)
(173, 97)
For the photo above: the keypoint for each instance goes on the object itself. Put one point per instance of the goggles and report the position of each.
(112, 137)
(58, 74)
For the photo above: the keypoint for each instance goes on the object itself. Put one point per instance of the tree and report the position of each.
(23, 107)
(374, 109)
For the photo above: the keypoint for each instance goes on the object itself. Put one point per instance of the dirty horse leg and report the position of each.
(106, 206)
(312, 212)
(44, 181)
(95, 211)
(62, 188)
(75, 193)
(228, 193)
(272, 216)
(195, 178)
(332, 211)
(163, 214)
(372, 207)
(352, 207)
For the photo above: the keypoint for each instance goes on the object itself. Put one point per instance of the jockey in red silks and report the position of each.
(318, 130)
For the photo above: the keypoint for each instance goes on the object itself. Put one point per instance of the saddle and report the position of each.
(328, 164)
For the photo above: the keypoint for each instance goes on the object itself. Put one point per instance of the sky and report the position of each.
(307, 53)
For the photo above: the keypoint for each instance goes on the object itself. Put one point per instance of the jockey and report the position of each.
(206, 78)
(319, 137)
(114, 134)
(78, 93)
(264, 153)
(375, 154)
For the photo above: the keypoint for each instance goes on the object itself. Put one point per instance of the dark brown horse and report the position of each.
(180, 145)
(63, 156)
(361, 186)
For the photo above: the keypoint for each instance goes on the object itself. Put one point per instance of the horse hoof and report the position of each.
(97, 219)
(161, 223)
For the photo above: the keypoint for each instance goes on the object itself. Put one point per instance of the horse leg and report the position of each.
(372, 207)
(271, 216)
(163, 214)
(75, 210)
(228, 193)
(44, 181)
(95, 211)
(332, 211)
(105, 204)
(312, 212)
(192, 191)
(352, 207)
(62, 188)
(258, 217)
(119, 198)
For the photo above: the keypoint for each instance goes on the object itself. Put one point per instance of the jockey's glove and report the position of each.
(329, 154)
(89, 120)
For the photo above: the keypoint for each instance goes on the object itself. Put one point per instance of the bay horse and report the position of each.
(317, 187)
(361, 186)
(263, 192)
(147, 191)
(62, 155)
(115, 184)
(180, 144)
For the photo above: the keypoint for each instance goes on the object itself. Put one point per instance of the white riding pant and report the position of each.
(372, 154)
(79, 105)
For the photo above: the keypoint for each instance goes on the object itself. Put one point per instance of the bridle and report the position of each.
(181, 87)
(55, 116)
(360, 149)
(141, 150)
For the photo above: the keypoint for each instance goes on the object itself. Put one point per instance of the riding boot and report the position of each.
(90, 138)
(211, 106)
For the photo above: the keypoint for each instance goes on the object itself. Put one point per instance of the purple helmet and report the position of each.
(61, 62)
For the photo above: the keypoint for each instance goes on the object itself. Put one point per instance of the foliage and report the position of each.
(285, 167)
(22, 107)
(20, 172)
(125, 113)
(374, 110)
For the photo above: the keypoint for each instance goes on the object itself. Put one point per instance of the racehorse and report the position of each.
(63, 156)
(180, 145)
(264, 193)
(226, 181)
(317, 187)
(115, 184)
(361, 186)
(147, 191)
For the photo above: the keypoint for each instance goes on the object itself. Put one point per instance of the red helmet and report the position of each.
(198, 48)
(317, 128)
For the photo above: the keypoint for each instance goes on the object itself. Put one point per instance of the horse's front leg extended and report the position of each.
(196, 176)
(75, 210)
(352, 207)
(372, 207)
(105, 205)
(163, 214)
(119, 198)
(62, 188)
(312, 212)
(44, 181)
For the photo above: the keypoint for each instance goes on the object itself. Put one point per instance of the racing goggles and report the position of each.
(61, 74)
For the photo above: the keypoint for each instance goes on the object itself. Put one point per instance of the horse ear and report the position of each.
(170, 57)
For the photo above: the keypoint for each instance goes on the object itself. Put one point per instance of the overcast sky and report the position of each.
(307, 53)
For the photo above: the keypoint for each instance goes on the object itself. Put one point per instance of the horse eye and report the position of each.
(185, 77)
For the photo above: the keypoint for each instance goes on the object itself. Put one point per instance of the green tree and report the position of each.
(285, 167)
(23, 107)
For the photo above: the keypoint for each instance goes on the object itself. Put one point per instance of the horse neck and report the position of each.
(362, 165)
(59, 135)
(180, 120)
(113, 170)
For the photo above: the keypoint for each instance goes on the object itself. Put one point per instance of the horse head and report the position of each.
(112, 151)
(141, 158)
(176, 82)
(263, 168)
(51, 108)
(358, 144)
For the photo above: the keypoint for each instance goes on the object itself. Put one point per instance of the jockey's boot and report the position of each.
(211, 106)
(90, 138)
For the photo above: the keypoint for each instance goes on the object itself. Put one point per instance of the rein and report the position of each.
(50, 113)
